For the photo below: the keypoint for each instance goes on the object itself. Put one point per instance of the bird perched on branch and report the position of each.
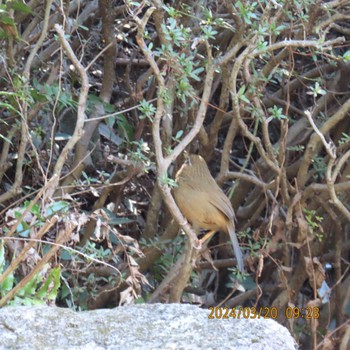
(203, 202)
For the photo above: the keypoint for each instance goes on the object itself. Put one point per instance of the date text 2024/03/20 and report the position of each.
(262, 312)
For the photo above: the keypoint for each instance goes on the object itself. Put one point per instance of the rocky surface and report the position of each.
(146, 326)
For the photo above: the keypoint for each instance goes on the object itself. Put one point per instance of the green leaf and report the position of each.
(37, 96)
(64, 292)
(120, 221)
(8, 283)
(113, 238)
(21, 7)
(244, 99)
(30, 287)
(23, 230)
(346, 56)
(9, 107)
(179, 134)
(7, 20)
(125, 128)
(35, 209)
(83, 27)
(65, 255)
(60, 206)
(241, 90)
(2, 257)
(47, 291)
(113, 219)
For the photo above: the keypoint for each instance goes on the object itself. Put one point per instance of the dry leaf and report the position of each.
(314, 270)
(126, 296)
(260, 264)
(328, 344)
(303, 228)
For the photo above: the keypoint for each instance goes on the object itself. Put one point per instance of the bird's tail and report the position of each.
(235, 245)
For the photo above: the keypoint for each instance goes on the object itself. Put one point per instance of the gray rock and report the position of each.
(146, 326)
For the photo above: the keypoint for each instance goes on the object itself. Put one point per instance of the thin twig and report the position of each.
(329, 146)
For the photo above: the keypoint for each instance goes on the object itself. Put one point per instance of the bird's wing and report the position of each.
(222, 203)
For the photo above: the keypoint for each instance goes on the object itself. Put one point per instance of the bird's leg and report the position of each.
(207, 237)
(203, 247)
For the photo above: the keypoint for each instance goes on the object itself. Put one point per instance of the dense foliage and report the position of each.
(99, 99)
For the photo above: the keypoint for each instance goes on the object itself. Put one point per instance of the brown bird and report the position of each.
(203, 202)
